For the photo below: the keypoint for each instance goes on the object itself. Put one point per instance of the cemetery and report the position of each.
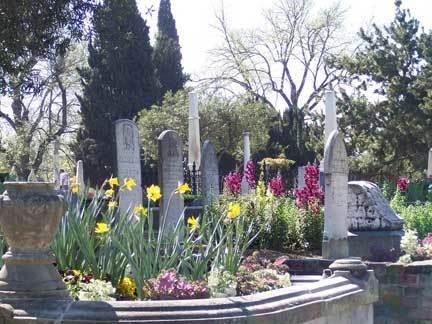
(134, 192)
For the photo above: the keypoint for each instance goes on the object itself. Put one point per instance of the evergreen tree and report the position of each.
(389, 137)
(119, 82)
(167, 55)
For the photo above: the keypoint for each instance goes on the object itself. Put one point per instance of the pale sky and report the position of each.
(195, 18)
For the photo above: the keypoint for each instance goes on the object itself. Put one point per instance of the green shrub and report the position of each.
(418, 217)
(313, 227)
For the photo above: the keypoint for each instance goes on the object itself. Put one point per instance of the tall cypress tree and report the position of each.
(167, 54)
(119, 82)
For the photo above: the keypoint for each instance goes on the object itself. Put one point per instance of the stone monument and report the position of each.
(170, 173)
(335, 243)
(246, 159)
(373, 225)
(194, 142)
(56, 173)
(128, 163)
(209, 172)
(301, 177)
(80, 175)
(429, 166)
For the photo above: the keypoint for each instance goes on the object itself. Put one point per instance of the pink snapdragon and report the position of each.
(232, 182)
(276, 186)
(249, 173)
(310, 197)
(402, 184)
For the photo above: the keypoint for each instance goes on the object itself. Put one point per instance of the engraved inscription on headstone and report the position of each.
(128, 162)
(209, 172)
(170, 165)
(335, 244)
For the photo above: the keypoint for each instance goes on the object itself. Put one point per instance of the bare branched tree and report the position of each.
(285, 59)
(35, 120)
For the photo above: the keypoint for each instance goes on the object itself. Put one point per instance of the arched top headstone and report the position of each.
(127, 138)
(335, 155)
(170, 144)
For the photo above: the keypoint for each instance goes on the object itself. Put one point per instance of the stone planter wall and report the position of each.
(405, 292)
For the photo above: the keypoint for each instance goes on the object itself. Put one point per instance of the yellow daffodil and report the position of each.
(101, 228)
(113, 182)
(154, 193)
(183, 188)
(112, 205)
(127, 287)
(129, 183)
(233, 210)
(74, 188)
(193, 223)
(140, 210)
(109, 193)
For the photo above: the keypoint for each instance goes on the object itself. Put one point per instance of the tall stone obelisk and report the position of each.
(194, 141)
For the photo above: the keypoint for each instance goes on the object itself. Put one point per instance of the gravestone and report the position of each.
(209, 173)
(429, 166)
(246, 159)
(301, 177)
(170, 173)
(80, 175)
(128, 163)
(194, 141)
(374, 228)
(335, 243)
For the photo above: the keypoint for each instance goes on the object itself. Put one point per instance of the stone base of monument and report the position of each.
(335, 248)
(374, 245)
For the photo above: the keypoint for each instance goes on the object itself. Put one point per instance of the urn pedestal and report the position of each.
(30, 213)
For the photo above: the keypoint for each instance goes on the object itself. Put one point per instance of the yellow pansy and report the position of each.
(113, 182)
(76, 272)
(112, 204)
(101, 228)
(140, 210)
(233, 210)
(154, 193)
(129, 183)
(127, 287)
(193, 223)
(183, 188)
(109, 193)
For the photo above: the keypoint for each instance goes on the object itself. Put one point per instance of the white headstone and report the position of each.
(429, 167)
(301, 177)
(80, 174)
(246, 159)
(194, 141)
(128, 163)
(56, 173)
(170, 173)
(368, 210)
(209, 173)
(335, 244)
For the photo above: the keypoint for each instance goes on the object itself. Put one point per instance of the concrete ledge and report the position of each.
(337, 296)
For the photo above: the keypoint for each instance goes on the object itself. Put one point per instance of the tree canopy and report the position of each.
(387, 118)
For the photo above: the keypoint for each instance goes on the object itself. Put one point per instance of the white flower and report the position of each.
(409, 242)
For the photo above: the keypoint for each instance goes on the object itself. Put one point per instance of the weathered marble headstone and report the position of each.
(209, 172)
(246, 159)
(429, 166)
(194, 141)
(368, 210)
(335, 243)
(128, 162)
(301, 177)
(330, 121)
(170, 173)
(80, 174)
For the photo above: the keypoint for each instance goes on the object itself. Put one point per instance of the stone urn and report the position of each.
(30, 213)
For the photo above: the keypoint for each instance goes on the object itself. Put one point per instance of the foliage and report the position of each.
(119, 82)
(398, 202)
(418, 217)
(313, 227)
(37, 30)
(222, 283)
(221, 120)
(387, 117)
(167, 55)
(96, 290)
(388, 189)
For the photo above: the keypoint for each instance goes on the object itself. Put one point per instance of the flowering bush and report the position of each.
(261, 280)
(222, 283)
(413, 248)
(310, 197)
(276, 186)
(402, 184)
(96, 289)
(232, 182)
(170, 285)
